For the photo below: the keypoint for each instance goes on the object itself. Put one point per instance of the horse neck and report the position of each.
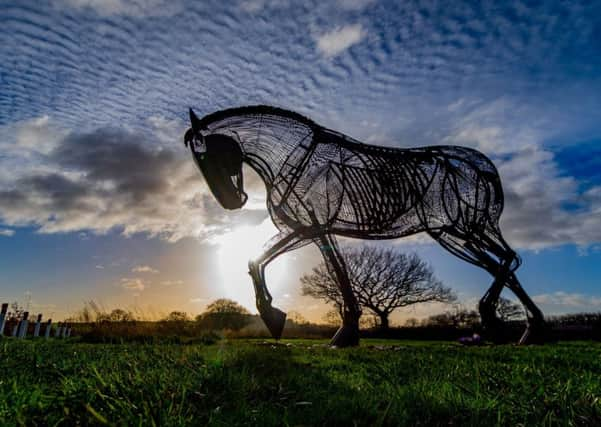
(266, 159)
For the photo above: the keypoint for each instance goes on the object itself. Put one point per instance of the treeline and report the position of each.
(460, 322)
(227, 318)
(222, 318)
(578, 326)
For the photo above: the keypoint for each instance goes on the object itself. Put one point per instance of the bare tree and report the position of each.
(509, 310)
(294, 316)
(120, 315)
(16, 312)
(383, 279)
(177, 316)
(332, 318)
(412, 322)
(458, 317)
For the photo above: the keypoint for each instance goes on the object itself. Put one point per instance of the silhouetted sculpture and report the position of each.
(321, 183)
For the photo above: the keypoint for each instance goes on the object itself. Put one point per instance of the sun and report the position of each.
(234, 249)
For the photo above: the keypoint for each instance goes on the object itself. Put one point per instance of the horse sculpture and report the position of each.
(321, 184)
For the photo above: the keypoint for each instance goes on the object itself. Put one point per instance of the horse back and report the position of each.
(384, 192)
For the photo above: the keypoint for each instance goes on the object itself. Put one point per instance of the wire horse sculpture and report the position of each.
(321, 184)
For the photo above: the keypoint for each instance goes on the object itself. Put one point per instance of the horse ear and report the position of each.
(195, 121)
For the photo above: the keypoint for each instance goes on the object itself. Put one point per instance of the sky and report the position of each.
(99, 200)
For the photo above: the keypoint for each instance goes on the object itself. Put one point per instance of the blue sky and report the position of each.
(98, 199)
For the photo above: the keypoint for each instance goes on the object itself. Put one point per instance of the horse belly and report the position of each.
(368, 200)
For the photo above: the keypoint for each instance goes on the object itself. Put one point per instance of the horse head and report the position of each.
(219, 158)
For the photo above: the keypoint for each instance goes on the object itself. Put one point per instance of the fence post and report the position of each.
(36, 331)
(64, 331)
(3, 317)
(48, 328)
(15, 329)
(69, 331)
(24, 323)
(57, 333)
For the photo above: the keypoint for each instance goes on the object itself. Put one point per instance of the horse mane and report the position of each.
(207, 120)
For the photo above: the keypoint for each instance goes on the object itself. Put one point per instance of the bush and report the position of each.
(224, 314)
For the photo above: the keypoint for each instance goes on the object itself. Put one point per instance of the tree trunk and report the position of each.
(384, 322)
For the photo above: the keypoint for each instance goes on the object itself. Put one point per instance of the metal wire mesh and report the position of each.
(323, 183)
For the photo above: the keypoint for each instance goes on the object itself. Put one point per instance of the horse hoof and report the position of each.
(346, 336)
(274, 319)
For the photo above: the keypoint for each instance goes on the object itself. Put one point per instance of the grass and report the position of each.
(298, 382)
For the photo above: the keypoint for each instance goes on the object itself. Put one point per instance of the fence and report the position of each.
(21, 327)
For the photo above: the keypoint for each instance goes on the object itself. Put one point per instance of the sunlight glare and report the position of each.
(235, 249)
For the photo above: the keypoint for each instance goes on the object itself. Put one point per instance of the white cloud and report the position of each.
(535, 195)
(132, 284)
(253, 6)
(336, 41)
(562, 300)
(354, 4)
(39, 134)
(6, 232)
(100, 267)
(29, 137)
(168, 132)
(136, 8)
(144, 269)
(156, 190)
(124, 180)
(498, 126)
(536, 190)
(172, 282)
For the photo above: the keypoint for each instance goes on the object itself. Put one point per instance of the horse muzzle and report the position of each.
(228, 189)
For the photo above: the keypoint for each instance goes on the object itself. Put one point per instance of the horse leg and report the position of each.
(273, 318)
(537, 331)
(492, 325)
(348, 334)
(475, 254)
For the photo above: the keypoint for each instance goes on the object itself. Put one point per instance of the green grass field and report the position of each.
(298, 383)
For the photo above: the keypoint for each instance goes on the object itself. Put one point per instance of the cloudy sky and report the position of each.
(100, 200)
